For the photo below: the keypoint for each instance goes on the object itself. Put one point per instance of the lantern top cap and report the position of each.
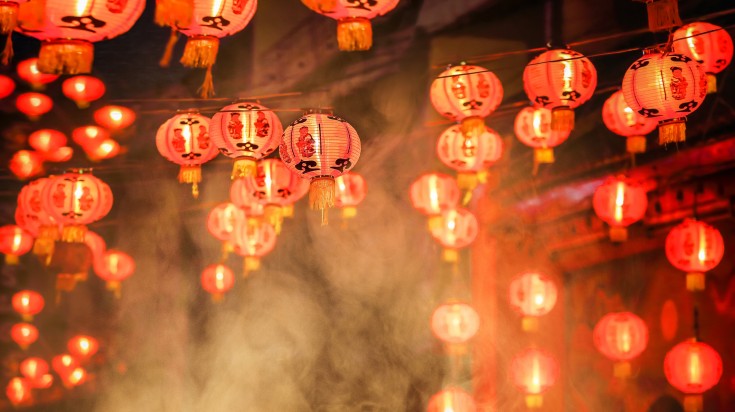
(318, 110)
(187, 111)
(79, 170)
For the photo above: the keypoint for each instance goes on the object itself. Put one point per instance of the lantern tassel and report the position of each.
(534, 401)
(663, 14)
(321, 195)
(274, 216)
(44, 243)
(672, 132)
(562, 119)
(693, 403)
(200, 52)
(354, 34)
(8, 17)
(467, 180)
(621, 370)
(244, 167)
(250, 264)
(288, 211)
(529, 323)
(711, 83)
(191, 174)
(73, 233)
(472, 126)
(695, 282)
(169, 50)
(636, 144)
(217, 297)
(7, 53)
(206, 90)
(65, 57)
(450, 255)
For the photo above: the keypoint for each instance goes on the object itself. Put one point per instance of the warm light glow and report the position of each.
(702, 237)
(539, 299)
(217, 6)
(92, 131)
(433, 192)
(691, 42)
(567, 76)
(186, 134)
(116, 115)
(82, 7)
(534, 385)
(79, 86)
(34, 101)
(619, 201)
(695, 369)
(77, 376)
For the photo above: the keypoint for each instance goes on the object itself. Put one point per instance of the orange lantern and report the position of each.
(666, 87)
(320, 147)
(452, 399)
(24, 334)
(272, 185)
(710, 45)
(46, 140)
(694, 247)
(693, 367)
(62, 154)
(102, 150)
(33, 104)
(30, 203)
(252, 242)
(534, 371)
(28, 71)
(64, 364)
(7, 85)
(82, 347)
(83, 90)
(14, 241)
(532, 294)
(560, 80)
(18, 391)
(25, 164)
(434, 193)
(114, 117)
(623, 121)
(351, 191)
(620, 203)
(216, 280)
(469, 156)
(241, 196)
(456, 230)
(222, 220)
(455, 322)
(34, 369)
(28, 303)
(533, 128)
(113, 267)
(246, 132)
(75, 377)
(622, 337)
(89, 136)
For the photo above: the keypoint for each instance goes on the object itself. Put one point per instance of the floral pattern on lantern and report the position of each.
(24, 334)
(26, 164)
(351, 190)
(28, 72)
(82, 347)
(469, 156)
(114, 117)
(455, 322)
(620, 203)
(28, 303)
(217, 280)
(252, 241)
(532, 294)
(456, 229)
(534, 371)
(623, 121)
(621, 337)
(83, 90)
(452, 399)
(14, 241)
(694, 247)
(533, 128)
(33, 104)
(710, 45)
(113, 267)
(693, 368)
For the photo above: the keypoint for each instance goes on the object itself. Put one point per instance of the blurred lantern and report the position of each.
(320, 147)
(46, 140)
(184, 140)
(14, 241)
(662, 14)
(28, 303)
(62, 154)
(532, 294)
(621, 337)
(102, 150)
(693, 367)
(18, 391)
(114, 117)
(29, 201)
(533, 372)
(620, 203)
(24, 334)
(710, 45)
(89, 136)
(271, 185)
(533, 128)
(354, 31)
(67, 30)
(64, 364)
(28, 71)
(252, 242)
(455, 322)
(113, 267)
(467, 94)
(83, 90)
(452, 399)
(7, 86)
(76, 377)
(25, 164)
(33, 369)
(82, 347)
(246, 132)
(434, 193)
(351, 191)
(96, 244)
(469, 156)
(456, 229)
(666, 87)
(221, 223)
(694, 247)
(623, 121)
(216, 280)
(241, 196)
(33, 104)
(560, 80)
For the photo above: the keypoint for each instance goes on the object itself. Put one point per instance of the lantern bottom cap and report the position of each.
(434, 223)
(529, 323)
(622, 370)
(191, 174)
(711, 83)
(618, 234)
(636, 144)
(354, 34)
(288, 210)
(450, 255)
(11, 260)
(200, 52)
(244, 167)
(695, 282)
(349, 212)
(250, 264)
(65, 57)
(472, 126)
(274, 215)
(73, 233)
(673, 131)
(467, 180)
(534, 401)
(693, 403)
(543, 155)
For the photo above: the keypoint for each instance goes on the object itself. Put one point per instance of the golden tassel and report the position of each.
(621, 370)
(65, 57)
(73, 233)
(711, 83)
(472, 126)
(169, 50)
(354, 34)
(693, 403)
(7, 53)
(8, 17)
(321, 195)
(250, 264)
(663, 14)
(543, 155)
(244, 167)
(695, 282)
(635, 144)
(174, 13)
(191, 174)
(114, 287)
(200, 52)
(274, 216)
(529, 323)
(467, 180)
(672, 132)
(562, 119)
(450, 255)
(288, 210)
(618, 234)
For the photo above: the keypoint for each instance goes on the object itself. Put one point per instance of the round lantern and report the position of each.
(560, 80)
(246, 132)
(320, 147)
(25, 164)
(82, 347)
(62, 154)
(46, 140)
(272, 186)
(7, 85)
(28, 303)
(33, 368)
(666, 87)
(30, 202)
(534, 371)
(620, 203)
(693, 367)
(14, 241)
(83, 90)
(64, 364)
(467, 94)
(452, 399)
(18, 391)
(216, 280)
(102, 150)
(24, 334)
(533, 128)
(222, 221)
(89, 136)
(28, 71)
(354, 31)
(114, 117)
(33, 104)
(694, 247)
(710, 45)
(621, 337)
(623, 121)
(434, 193)
(351, 191)
(456, 229)
(455, 322)
(113, 267)
(241, 196)
(252, 242)
(67, 29)
(469, 156)
(74, 378)
(532, 294)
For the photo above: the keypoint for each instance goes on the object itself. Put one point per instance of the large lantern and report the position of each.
(217, 279)
(620, 203)
(36, 371)
(28, 303)
(114, 117)
(469, 156)
(246, 132)
(33, 104)
(666, 87)
(694, 247)
(24, 334)
(455, 322)
(710, 45)
(621, 337)
(320, 147)
(560, 80)
(467, 94)
(354, 31)
(434, 193)
(28, 71)
(533, 128)
(7, 86)
(47, 140)
(623, 121)
(14, 241)
(31, 204)
(532, 294)
(252, 241)
(18, 391)
(534, 371)
(82, 347)
(693, 368)
(113, 267)
(351, 191)
(221, 223)
(456, 229)
(25, 164)
(83, 90)
(452, 399)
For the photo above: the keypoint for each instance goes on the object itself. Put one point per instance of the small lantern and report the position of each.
(694, 247)
(33, 104)
(28, 71)
(60, 155)
(252, 241)
(241, 196)
(434, 193)
(75, 377)
(26, 164)
(271, 185)
(533, 128)
(29, 201)
(113, 267)
(34, 369)
(693, 367)
(47, 140)
(7, 85)
(28, 303)
(64, 364)
(82, 347)
(83, 90)
(216, 280)
(623, 121)
(24, 334)
(452, 399)
(114, 117)
(621, 337)
(455, 322)
(89, 136)
(14, 241)
(351, 190)
(710, 45)
(221, 223)
(456, 230)
(532, 294)
(102, 150)
(469, 156)
(534, 371)
(18, 391)
(620, 203)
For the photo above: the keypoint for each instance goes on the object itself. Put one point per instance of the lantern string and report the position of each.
(696, 323)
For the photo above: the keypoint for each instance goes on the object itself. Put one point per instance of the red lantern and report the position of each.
(34, 369)
(30, 203)
(694, 247)
(252, 241)
(64, 364)
(457, 229)
(434, 193)
(114, 117)
(708, 44)
(82, 347)
(534, 371)
(28, 71)
(60, 155)
(33, 104)
(14, 241)
(469, 156)
(455, 322)
(46, 140)
(25, 164)
(113, 267)
(102, 150)
(665, 87)
(354, 31)
(19, 391)
(621, 337)
(693, 367)
(246, 132)
(184, 140)
(83, 90)
(452, 399)
(560, 80)
(351, 191)
(222, 221)
(216, 280)
(76, 377)
(89, 136)
(28, 303)
(242, 197)
(620, 203)
(532, 294)
(623, 121)
(320, 147)
(7, 86)
(272, 187)
(24, 334)
(533, 128)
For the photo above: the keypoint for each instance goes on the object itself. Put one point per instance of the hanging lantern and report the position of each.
(434, 193)
(623, 121)
(46, 140)
(184, 140)
(710, 45)
(7, 85)
(532, 294)
(222, 220)
(102, 150)
(18, 391)
(252, 242)
(240, 196)
(452, 399)
(113, 267)
(28, 72)
(320, 147)
(456, 230)
(62, 154)
(14, 241)
(246, 132)
(693, 367)
(621, 337)
(351, 190)
(455, 322)
(216, 280)
(560, 80)
(33, 369)
(76, 377)
(469, 156)
(663, 15)
(114, 117)
(272, 187)
(29, 201)
(666, 87)
(64, 364)
(25, 164)
(83, 90)
(467, 94)
(694, 247)
(534, 371)
(89, 136)
(620, 203)
(33, 104)
(28, 303)
(533, 128)
(82, 347)
(24, 334)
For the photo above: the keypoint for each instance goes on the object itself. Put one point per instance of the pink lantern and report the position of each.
(222, 221)
(469, 156)
(534, 371)
(434, 193)
(26, 164)
(623, 121)
(14, 241)
(694, 247)
(456, 230)
(693, 367)
(272, 185)
(252, 241)
(217, 279)
(351, 191)
(455, 322)
(533, 128)
(622, 337)
(113, 267)
(532, 294)
(243, 198)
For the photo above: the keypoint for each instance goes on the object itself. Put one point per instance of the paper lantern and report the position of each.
(456, 229)
(89, 136)
(217, 280)
(114, 117)
(33, 104)
(246, 132)
(693, 367)
(533, 128)
(272, 185)
(620, 203)
(7, 85)
(252, 241)
(469, 156)
(241, 196)
(666, 87)
(18, 391)
(694, 247)
(102, 150)
(83, 90)
(46, 140)
(452, 399)
(467, 94)
(221, 223)
(28, 72)
(532, 294)
(621, 337)
(623, 121)
(25, 164)
(710, 45)
(28, 303)
(560, 80)
(33, 369)
(82, 347)
(64, 364)
(14, 241)
(354, 31)
(434, 193)
(67, 29)
(113, 267)
(62, 154)
(76, 377)
(31, 205)
(351, 190)
(534, 371)
(320, 147)
(24, 334)
(455, 322)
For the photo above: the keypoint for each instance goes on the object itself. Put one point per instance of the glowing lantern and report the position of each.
(25, 164)
(455, 322)
(620, 203)
(534, 371)
(89, 136)
(83, 89)
(241, 196)
(102, 150)
(14, 241)
(456, 229)
(693, 367)
(28, 303)
(221, 223)
(694, 247)
(434, 193)
(560, 80)
(18, 391)
(46, 140)
(351, 191)
(252, 242)
(113, 267)
(710, 45)
(217, 279)
(246, 132)
(33, 104)
(452, 399)
(184, 140)
(62, 154)
(74, 378)
(43, 382)
(82, 347)
(469, 156)
(665, 87)
(64, 364)
(623, 121)
(29, 201)
(532, 294)
(272, 187)
(114, 117)
(533, 128)
(7, 86)
(24, 334)
(34, 369)
(320, 147)
(622, 337)
(28, 71)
